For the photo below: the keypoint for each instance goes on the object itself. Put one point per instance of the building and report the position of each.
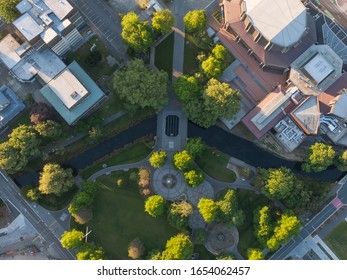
(49, 22)
(274, 32)
(73, 93)
(10, 105)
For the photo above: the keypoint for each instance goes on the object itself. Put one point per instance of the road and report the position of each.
(329, 210)
(105, 22)
(9, 192)
(337, 9)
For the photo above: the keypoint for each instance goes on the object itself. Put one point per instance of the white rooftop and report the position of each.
(28, 26)
(61, 8)
(318, 68)
(68, 88)
(48, 35)
(8, 47)
(282, 22)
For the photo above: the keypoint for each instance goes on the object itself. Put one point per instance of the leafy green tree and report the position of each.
(187, 88)
(11, 159)
(141, 86)
(154, 254)
(24, 138)
(163, 21)
(287, 227)
(195, 147)
(8, 10)
(228, 211)
(341, 161)
(213, 67)
(263, 224)
(198, 113)
(136, 33)
(72, 239)
(90, 252)
(208, 209)
(225, 257)
(155, 205)
(49, 129)
(178, 247)
(195, 21)
(194, 178)
(95, 134)
(319, 157)
(158, 159)
(220, 52)
(55, 179)
(179, 213)
(255, 254)
(183, 160)
(33, 194)
(221, 99)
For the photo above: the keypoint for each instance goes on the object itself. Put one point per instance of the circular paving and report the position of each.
(194, 194)
(168, 182)
(221, 239)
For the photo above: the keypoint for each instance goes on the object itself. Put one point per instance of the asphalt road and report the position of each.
(10, 192)
(337, 8)
(105, 22)
(313, 224)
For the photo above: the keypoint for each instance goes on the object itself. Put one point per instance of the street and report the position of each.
(9, 192)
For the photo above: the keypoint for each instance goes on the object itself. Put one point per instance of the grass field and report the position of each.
(24, 118)
(119, 217)
(190, 63)
(102, 68)
(337, 240)
(164, 54)
(249, 201)
(131, 153)
(214, 163)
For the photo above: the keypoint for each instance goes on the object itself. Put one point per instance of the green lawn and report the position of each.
(24, 118)
(102, 68)
(337, 240)
(214, 163)
(119, 217)
(204, 254)
(190, 63)
(249, 201)
(130, 153)
(111, 106)
(164, 54)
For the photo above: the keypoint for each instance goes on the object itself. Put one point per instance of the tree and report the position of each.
(135, 33)
(263, 224)
(195, 147)
(179, 213)
(11, 159)
(228, 211)
(33, 194)
(72, 239)
(178, 247)
(319, 157)
(212, 67)
(195, 21)
(95, 134)
(41, 112)
(155, 205)
(194, 178)
(187, 88)
(141, 86)
(49, 129)
(55, 179)
(144, 177)
(341, 162)
(8, 10)
(24, 139)
(163, 21)
(90, 252)
(225, 256)
(208, 209)
(287, 227)
(220, 52)
(154, 254)
(183, 160)
(255, 254)
(84, 198)
(136, 249)
(158, 159)
(198, 113)
(221, 99)
(93, 58)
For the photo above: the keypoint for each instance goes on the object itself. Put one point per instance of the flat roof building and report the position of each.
(8, 51)
(73, 93)
(28, 27)
(61, 8)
